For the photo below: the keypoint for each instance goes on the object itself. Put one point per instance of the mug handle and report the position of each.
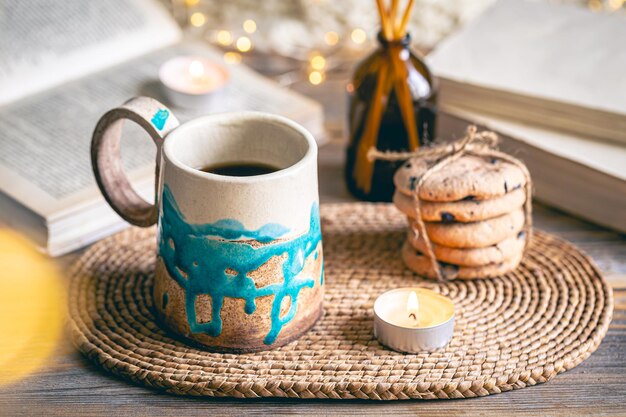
(106, 161)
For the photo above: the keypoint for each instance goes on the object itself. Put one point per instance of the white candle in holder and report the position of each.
(413, 320)
(192, 81)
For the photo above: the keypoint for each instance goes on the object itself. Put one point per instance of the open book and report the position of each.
(62, 65)
(550, 79)
(558, 66)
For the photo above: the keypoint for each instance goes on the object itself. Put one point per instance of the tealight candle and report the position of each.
(413, 320)
(192, 81)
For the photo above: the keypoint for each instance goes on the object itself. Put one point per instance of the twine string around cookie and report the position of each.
(482, 144)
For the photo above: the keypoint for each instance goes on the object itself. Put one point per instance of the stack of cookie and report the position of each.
(473, 213)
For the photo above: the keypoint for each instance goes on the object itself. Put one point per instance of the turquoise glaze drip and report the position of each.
(159, 118)
(198, 256)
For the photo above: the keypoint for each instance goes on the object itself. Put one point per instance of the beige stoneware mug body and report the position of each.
(239, 259)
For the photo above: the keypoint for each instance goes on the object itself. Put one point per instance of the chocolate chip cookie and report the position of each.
(421, 265)
(461, 211)
(467, 178)
(477, 234)
(500, 252)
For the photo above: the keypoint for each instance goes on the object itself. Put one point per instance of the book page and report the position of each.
(562, 53)
(45, 160)
(46, 42)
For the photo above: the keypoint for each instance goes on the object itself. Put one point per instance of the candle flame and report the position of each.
(413, 305)
(196, 69)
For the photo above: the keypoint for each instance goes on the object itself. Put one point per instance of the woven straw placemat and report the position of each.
(511, 332)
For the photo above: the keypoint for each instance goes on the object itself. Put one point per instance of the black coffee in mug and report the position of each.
(240, 169)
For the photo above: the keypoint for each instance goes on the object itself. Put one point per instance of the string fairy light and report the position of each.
(331, 38)
(318, 62)
(232, 57)
(316, 77)
(249, 26)
(358, 36)
(224, 37)
(317, 65)
(326, 27)
(244, 44)
(197, 19)
(595, 5)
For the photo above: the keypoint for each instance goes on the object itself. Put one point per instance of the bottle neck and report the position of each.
(403, 42)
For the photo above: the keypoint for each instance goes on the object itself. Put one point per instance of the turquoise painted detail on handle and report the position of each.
(197, 256)
(159, 118)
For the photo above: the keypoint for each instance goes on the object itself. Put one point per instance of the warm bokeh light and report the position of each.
(197, 19)
(224, 37)
(249, 26)
(595, 5)
(331, 38)
(196, 70)
(316, 77)
(616, 4)
(232, 57)
(191, 3)
(244, 44)
(358, 36)
(318, 62)
(32, 305)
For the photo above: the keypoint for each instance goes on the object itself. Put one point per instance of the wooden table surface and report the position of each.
(70, 385)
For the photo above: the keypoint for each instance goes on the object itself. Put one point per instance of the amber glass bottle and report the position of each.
(390, 86)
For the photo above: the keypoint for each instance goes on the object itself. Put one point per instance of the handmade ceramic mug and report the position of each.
(239, 258)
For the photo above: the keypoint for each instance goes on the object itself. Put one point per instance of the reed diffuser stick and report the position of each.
(392, 76)
(364, 168)
(384, 21)
(405, 102)
(393, 14)
(405, 18)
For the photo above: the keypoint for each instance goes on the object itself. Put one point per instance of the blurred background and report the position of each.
(338, 31)
(63, 64)
(296, 29)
